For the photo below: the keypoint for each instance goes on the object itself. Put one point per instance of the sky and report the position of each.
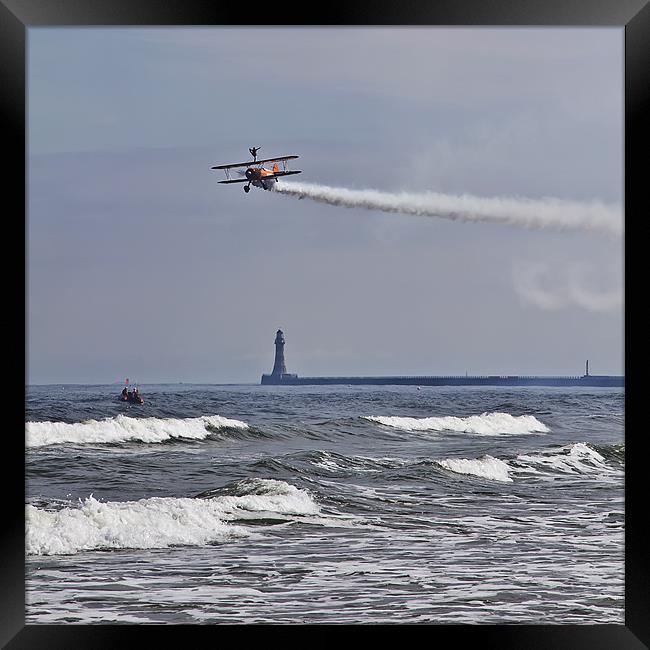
(140, 265)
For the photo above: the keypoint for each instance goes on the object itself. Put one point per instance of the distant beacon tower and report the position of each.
(279, 374)
(279, 368)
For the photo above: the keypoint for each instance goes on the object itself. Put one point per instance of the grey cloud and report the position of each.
(550, 288)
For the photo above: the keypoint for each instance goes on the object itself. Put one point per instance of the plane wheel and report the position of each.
(247, 189)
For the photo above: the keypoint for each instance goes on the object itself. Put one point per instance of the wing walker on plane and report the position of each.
(255, 173)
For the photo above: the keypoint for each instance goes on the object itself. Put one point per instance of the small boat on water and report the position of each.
(131, 396)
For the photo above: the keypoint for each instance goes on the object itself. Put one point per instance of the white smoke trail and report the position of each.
(546, 213)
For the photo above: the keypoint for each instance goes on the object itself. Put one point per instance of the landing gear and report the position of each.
(247, 188)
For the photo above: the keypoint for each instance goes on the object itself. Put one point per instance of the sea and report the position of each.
(249, 504)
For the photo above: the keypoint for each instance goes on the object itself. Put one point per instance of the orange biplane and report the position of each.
(255, 173)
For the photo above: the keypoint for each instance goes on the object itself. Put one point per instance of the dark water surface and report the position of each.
(333, 504)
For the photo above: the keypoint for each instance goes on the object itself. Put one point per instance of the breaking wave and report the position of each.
(578, 459)
(485, 467)
(161, 522)
(486, 424)
(123, 428)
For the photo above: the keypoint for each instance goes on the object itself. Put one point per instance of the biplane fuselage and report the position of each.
(260, 177)
(256, 174)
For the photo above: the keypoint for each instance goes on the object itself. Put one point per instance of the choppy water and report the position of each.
(325, 504)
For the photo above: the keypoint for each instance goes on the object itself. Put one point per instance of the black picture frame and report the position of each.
(17, 16)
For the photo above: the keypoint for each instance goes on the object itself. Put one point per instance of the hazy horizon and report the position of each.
(140, 265)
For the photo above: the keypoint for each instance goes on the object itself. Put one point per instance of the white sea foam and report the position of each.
(123, 428)
(486, 424)
(269, 495)
(577, 458)
(485, 467)
(159, 522)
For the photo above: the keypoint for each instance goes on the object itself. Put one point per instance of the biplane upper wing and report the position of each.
(253, 162)
(276, 159)
(244, 164)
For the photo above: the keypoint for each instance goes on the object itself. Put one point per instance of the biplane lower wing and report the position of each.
(283, 174)
(263, 178)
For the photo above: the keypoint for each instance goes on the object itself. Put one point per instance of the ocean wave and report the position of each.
(579, 459)
(615, 453)
(488, 467)
(486, 424)
(335, 463)
(123, 428)
(324, 463)
(161, 522)
(254, 495)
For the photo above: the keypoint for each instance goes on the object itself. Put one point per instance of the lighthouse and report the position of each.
(279, 367)
(279, 374)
